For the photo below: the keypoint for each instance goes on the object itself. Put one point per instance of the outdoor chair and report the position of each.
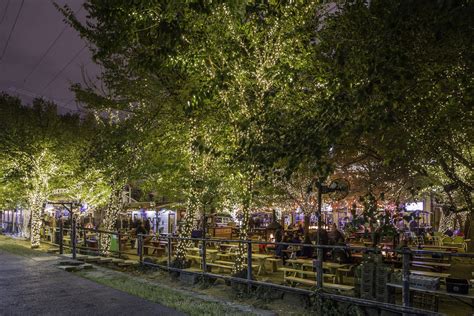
(436, 240)
(446, 240)
(348, 271)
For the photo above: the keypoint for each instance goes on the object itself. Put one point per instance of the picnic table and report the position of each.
(431, 265)
(290, 276)
(435, 248)
(333, 267)
(431, 274)
(260, 258)
(158, 250)
(197, 252)
(229, 245)
(437, 293)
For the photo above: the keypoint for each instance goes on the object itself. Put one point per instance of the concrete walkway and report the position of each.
(34, 286)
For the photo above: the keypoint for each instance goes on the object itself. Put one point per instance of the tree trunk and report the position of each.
(307, 219)
(243, 235)
(35, 204)
(185, 231)
(35, 224)
(111, 212)
(25, 230)
(470, 233)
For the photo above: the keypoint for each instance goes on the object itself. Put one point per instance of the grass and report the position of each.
(19, 247)
(165, 296)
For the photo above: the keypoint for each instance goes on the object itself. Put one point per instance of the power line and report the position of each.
(11, 31)
(34, 95)
(47, 51)
(44, 55)
(5, 12)
(64, 68)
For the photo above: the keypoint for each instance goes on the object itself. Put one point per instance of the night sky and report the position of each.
(27, 68)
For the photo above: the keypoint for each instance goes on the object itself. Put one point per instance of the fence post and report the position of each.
(119, 244)
(140, 247)
(406, 277)
(319, 268)
(84, 236)
(99, 242)
(73, 236)
(204, 265)
(61, 246)
(249, 265)
(169, 251)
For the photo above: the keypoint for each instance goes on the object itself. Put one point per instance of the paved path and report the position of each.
(34, 286)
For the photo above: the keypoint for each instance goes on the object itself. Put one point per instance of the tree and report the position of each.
(398, 78)
(38, 150)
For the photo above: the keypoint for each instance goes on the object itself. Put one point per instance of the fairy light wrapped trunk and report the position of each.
(185, 231)
(247, 196)
(114, 206)
(25, 232)
(36, 206)
(243, 235)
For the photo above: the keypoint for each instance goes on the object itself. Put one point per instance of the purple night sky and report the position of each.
(27, 68)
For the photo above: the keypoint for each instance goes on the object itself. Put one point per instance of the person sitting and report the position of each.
(307, 251)
(279, 250)
(449, 232)
(262, 248)
(295, 239)
(300, 229)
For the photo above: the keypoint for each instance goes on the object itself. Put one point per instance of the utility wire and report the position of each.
(44, 55)
(11, 31)
(64, 68)
(47, 50)
(5, 12)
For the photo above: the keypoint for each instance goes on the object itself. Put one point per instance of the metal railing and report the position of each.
(77, 245)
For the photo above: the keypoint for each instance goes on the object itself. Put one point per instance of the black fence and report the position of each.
(137, 248)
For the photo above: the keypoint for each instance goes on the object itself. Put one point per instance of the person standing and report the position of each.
(335, 236)
(140, 231)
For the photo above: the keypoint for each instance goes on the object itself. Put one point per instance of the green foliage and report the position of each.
(210, 99)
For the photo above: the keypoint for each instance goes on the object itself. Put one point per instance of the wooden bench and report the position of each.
(157, 250)
(292, 280)
(196, 259)
(313, 274)
(433, 265)
(431, 274)
(340, 287)
(423, 267)
(219, 266)
(274, 262)
(104, 260)
(127, 263)
(254, 266)
(117, 260)
(92, 259)
(226, 255)
(78, 256)
(52, 250)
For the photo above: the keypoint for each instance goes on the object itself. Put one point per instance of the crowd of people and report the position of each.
(293, 238)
